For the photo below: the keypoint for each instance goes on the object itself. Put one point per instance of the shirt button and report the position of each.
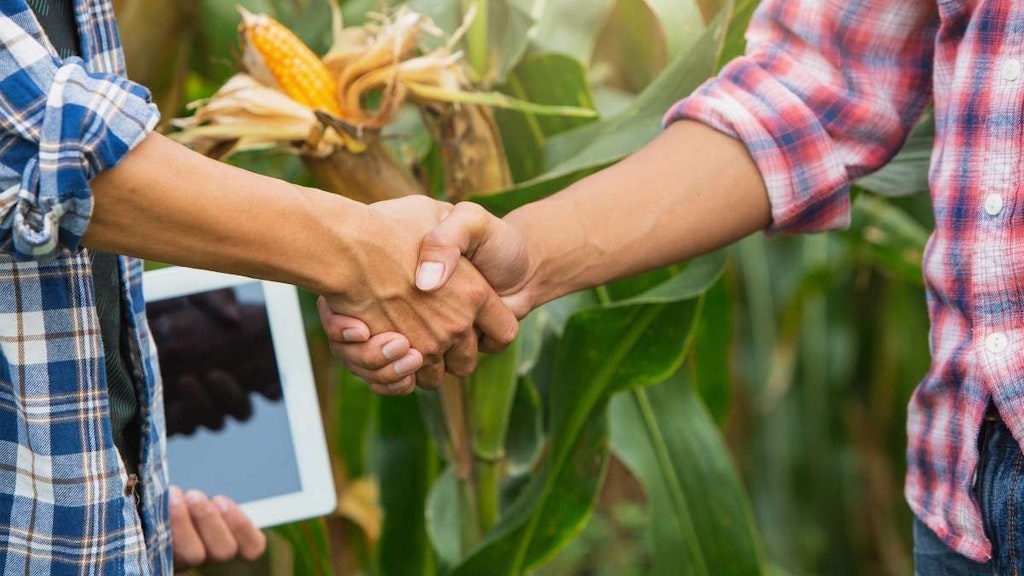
(997, 342)
(993, 204)
(1012, 69)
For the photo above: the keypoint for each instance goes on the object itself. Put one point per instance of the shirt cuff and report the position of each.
(808, 186)
(91, 121)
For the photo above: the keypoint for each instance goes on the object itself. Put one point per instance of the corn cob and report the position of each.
(272, 53)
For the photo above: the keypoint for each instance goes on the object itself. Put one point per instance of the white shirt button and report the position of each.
(1012, 69)
(997, 342)
(993, 204)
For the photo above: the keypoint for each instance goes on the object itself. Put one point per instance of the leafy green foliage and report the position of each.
(710, 364)
(617, 346)
(544, 79)
(406, 466)
(579, 152)
(701, 521)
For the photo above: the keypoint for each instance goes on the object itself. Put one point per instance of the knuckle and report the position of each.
(431, 350)
(476, 293)
(429, 379)
(463, 369)
(334, 330)
(462, 332)
(418, 201)
(443, 208)
(435, 240)
(472, 210)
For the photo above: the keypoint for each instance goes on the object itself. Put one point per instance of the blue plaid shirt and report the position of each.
(66, 503)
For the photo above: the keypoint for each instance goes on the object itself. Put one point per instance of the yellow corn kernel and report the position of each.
(272, 52)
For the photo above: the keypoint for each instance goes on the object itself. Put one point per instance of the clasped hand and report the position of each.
(443, 308)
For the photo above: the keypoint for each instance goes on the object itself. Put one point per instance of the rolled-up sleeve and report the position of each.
(827, 92)
(60, 125)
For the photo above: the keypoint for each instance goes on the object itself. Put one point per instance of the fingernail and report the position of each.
(195, 497)
(393, 349)
(175, 496)
(223, 504)
(353, 335)
(429, 275)
(406, 365)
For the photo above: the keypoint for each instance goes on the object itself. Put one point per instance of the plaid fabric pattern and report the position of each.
(827, 92)
(66, 506)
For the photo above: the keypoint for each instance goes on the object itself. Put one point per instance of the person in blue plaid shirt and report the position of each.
(86, 188)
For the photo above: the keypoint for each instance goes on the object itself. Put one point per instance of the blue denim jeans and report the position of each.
(1000, 492)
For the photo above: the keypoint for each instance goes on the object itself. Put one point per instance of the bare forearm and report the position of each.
(691, 191)
(167, 203)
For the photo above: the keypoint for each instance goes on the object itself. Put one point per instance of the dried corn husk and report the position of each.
(359, 502)
(378, 69)
(369, 176)
(472, 150)
(246, 114)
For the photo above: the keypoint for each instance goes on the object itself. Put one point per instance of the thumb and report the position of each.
(465, 228)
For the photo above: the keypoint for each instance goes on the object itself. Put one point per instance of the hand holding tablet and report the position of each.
(242, 414)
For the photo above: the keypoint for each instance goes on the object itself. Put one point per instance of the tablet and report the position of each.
(239, 396)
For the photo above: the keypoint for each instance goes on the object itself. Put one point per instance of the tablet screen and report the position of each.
(227, 424)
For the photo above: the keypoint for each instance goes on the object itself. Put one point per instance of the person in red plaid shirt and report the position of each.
(827, 92)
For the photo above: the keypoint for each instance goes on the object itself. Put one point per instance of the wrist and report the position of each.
(339, 264)
(537, 286)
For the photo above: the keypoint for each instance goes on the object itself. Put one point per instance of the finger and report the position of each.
(403, 387)
(221, 305)
(229, 395)
(270, 387)
(377, 353)
(518, 303)
(218, 540)
(498, 325)
(188, 547)
(341, 328)
(199, 402)
(460, 360)
(431, 374)
(465, 228)
(251, 540)
(392, 373)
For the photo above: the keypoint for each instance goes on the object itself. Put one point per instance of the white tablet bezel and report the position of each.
(288, 334)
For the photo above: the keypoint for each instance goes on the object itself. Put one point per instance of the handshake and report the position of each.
(429, 284)
(442, 282)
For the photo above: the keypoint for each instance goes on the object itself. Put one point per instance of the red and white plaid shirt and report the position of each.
(827, 92)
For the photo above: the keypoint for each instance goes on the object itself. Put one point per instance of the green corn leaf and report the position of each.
(896, 240)
(550, 79)
(700, 518)
(574, 154)
(710, 366)
(406, 464)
